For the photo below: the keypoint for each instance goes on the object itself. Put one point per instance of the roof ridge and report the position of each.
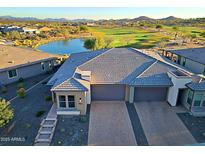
(147, 68)
(68, 81)
(79, 82)
(96, 56)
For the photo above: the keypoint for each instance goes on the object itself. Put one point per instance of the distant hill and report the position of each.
(19, 19)
(143, 18)
(167, 20)
(46, 19)
(171, 18)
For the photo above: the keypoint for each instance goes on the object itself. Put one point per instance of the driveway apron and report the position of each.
(110, 125)
(161, 125)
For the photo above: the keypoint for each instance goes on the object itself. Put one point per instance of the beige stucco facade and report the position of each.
(80, 101)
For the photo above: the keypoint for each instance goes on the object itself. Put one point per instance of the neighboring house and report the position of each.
(193, 58)
(123, 75)
(16, 63)
(30, 30)
(5, 29)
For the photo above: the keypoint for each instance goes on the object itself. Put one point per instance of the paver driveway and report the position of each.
(110, 125)
(161, 124)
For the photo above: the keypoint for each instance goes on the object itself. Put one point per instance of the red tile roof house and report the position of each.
(124, 75)
(16, 63)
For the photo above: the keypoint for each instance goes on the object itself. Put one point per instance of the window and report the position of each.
(184, 62)
(190, 97)
(204, 71)
(62, 101)
(12, 73)
(179, 59)
(42, 66)
(203, 103)
(197, 99)
(71, 101)
(50, 64)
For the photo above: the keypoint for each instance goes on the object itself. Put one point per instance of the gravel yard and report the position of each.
(23, 129)
(196, 126)
(72, 130)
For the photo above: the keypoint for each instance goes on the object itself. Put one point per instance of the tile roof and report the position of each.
(116, 65)
(197, 86)
(14, 56)
(67, 70)
(71, 84)
(195, 54)
(155, 75)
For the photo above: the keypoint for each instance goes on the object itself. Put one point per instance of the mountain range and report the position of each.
(141, 18)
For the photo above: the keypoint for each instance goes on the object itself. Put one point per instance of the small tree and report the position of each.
(89, 44)
(6, 112)
(21, 93)
(83, 28)
(159, 27)
(108, 42)
(202, 34)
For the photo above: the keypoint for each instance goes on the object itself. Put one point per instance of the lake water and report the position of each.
(63, 46)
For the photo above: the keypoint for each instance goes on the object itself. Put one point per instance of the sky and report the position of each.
(97, 13)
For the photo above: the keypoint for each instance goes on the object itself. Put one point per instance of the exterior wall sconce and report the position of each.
(80, 101)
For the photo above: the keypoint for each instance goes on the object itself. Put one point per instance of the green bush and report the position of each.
(21, 93)
(48, 98)
(20, 85)
(6, 112)
(28, 125)
(21, 80)
(40, 113)
(4, 89)
(82, 119)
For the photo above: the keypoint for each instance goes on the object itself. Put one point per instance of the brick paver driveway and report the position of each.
(161, 124)
(110, 124)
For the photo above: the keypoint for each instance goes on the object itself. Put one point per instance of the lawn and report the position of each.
(131, 36)
(186, 30)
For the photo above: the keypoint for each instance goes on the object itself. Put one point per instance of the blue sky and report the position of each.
(102, 13)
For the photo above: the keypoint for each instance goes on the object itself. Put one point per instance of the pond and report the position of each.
(63, 46)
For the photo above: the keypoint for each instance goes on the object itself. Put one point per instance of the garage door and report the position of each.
(150, 94)
(107, 92)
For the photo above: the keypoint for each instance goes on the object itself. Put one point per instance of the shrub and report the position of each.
(62, 130)
(20, 85)
(28, 125)
(21, 93)
(6, 112)
(158, 26)
(40, 113)
(21, 80)
(48, 98)
(44, 82)
(4, 89)
(82, 119)
(59, 142)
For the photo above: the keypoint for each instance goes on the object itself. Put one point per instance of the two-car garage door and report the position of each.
(111, 92)
(107, 92)
(150, 94)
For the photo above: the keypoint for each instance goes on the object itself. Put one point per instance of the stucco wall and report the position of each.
(179, 83)
(127, 89)
(24, 72)
(81, 106)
